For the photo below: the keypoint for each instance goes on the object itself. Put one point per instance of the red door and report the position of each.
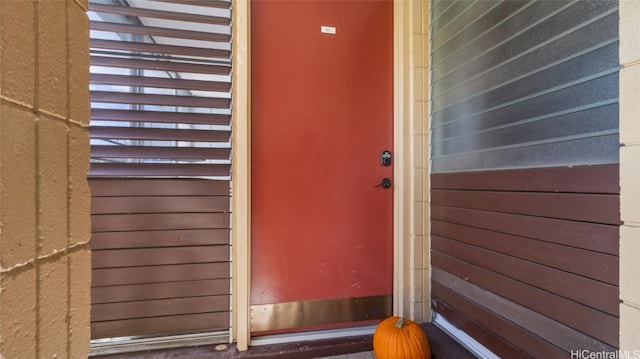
(322, 113)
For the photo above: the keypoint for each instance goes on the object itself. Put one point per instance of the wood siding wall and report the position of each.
(161, 261)
(526, 261)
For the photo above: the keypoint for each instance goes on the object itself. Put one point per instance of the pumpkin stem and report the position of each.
(400, 323)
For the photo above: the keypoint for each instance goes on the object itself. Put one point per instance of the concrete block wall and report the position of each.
(630, 175)
(418, 115)
(45, 260)
(412, 101)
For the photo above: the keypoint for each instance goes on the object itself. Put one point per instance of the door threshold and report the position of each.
(314, 335)
(136, 344)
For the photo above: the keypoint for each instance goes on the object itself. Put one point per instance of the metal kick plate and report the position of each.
(318, 312)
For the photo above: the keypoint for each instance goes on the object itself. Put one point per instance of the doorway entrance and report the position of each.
(322, 197)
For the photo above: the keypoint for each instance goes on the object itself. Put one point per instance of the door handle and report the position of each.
(385, 183)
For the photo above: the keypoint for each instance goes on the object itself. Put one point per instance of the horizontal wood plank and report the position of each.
(161, 238)
(598, 324)
(539, 325)
(161, 325)
(491, 330)
(166, 290)
(584, 179)
(159, 204)
(575, 287)
(159, 256)
(157, 187)
(524, 256)
(159, 274)
(594, 208)
(584, 235)
(159, 308)
(145, 222)
(161, 260)
(600, 266)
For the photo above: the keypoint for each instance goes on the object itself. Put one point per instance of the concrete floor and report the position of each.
(442, 347)
(363, 355)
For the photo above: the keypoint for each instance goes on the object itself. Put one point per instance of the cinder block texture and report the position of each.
(18, 312)
(53, 308)
(78, 42)
(52, 185)
(17, 58)
(418, 149)
(17, 174)
(79, 300)
(414, 89)
(629, 189)
(79, 193)
(418, 247)
(52, 57)
(416, 16)
(629, 274)
(82, 3)
(43, 168)
(629, 105)
(629, 31)
(629, 328)
(418, 57)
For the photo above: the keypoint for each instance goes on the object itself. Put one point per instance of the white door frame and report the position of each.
(404, 212)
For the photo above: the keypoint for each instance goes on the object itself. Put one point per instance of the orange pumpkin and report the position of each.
(399, 338)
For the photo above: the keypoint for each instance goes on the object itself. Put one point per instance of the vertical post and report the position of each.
(411, 207)
(629, 55)
(241, 179)
(400, 200)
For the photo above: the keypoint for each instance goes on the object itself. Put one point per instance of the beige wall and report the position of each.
(630, 174)
(412, 102)
(44, 197)
(419, 111)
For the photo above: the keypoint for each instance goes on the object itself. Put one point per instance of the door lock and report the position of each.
(385, 158)
(385, 183)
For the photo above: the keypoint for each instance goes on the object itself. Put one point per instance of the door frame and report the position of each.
(406, 14)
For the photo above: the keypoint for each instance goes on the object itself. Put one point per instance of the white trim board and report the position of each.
(463, 338)
(313, 335)
(133, 344)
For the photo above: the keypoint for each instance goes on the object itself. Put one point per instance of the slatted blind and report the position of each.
(160, 166)
(160, 88)
(524, 185)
